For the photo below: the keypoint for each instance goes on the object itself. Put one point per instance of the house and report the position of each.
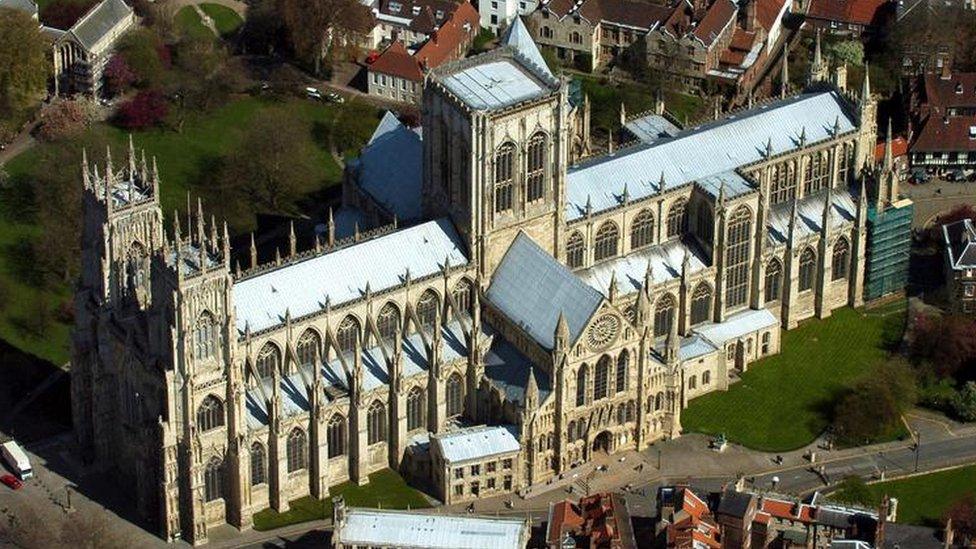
(473, 463)
(945, 117)
(601, 520)
(853, 18)
(687, 520)
(959, 239)
(497, 15)
(409, 21)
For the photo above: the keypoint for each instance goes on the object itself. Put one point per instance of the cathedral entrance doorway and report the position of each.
(602, 442)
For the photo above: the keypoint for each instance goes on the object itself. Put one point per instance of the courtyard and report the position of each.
(783, 402)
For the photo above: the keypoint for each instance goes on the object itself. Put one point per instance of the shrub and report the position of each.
(147, 108)
(964, 403)
(65, 119)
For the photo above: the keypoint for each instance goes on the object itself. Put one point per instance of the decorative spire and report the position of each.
(213, 233)
(686, 265)
(610, 142)
(292, 241)
(612, 291)
(672, 344)
(836, 125)
(817, 56)
(254, 252)
(648, 278)
(623, 114)
(177, 237)
(866, 87)
(277, 255)
(84, 168)
(794, 219)
(661, 183)
(201, 234)
(784, 77)
(155, 177)
(769, 147)
(561, 339)
(589, 206)
(331, 227)
(226, 246)
(889, 156)
(626, 194)
(132, 159)
(803, 136)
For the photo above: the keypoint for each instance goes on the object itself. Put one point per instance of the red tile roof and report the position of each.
(959, 90)
(451, 40)
(859, 12)
(594, 518)
(719, 16)
(788, 510)
(632, 13)
(767, 12)
(899, 147)
(397, 61)
(946, 134)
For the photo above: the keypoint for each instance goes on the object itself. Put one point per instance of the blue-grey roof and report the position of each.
(809, 211)
(738, 325)
(508, 370)
(666, 262)
(734, 185)
(518, 37)
(531, 288)
(476, 443)
(99, 21)
(960, 243)
(651, 127)
(340, 276)
(378, 528)
(389, 168)
(694, 346)
(494, 85)
(713, 148)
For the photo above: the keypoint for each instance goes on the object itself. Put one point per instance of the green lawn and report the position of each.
(188, 21)
(225, 19)
(385, 490)
(923, 499)
(782, 402)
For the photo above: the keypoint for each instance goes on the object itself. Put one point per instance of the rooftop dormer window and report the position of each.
(959, 88)
(416, 10)
(439, 14)
(395, 7)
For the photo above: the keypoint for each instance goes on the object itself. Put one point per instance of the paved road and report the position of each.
(937, 197)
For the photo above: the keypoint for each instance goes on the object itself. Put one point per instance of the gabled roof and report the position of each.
(859, 12)
(738, 325)
(957, 90)
(719, 16)
(518, 37)
(397, 61)
(666, 261)
(768, 12)
(375, 527)
(950, 134)
(389, 168)
(476, 443)
(99, 21)
(531, 288)
(445, 42)
(960, 242)
(28, 6)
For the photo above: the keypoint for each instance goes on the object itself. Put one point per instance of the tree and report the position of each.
(263, 30)
(873, 407)
(964, 403)
(962, 512)
(119, 77)
(147, 108)
(353, 126)
(65, 119)
(848, 51)
(945, 343)
(24, 68)
(204, 75)
(313, 26)
(62, 14)
(147, 56)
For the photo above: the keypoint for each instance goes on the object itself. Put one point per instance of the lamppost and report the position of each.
(918, 446)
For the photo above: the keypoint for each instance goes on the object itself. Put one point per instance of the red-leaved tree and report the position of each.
(147, 108)
(62, 14)
(946, 343)
(118, 75)
(963, 515)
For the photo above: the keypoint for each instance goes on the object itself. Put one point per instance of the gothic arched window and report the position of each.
(346, 334)
(623, 362)
(701, 304)
(205, 337)
(336, 435)
(415, 409)
(658, 401)
(774, 274)
(575, 249)
(601, 380)
(376, 422)
(838, 267)
(213, 479)
(387, 321)
(296, 450)
(504, 177)
(642, 230)
(257, 464)
(269, 360)
(428, 308)
(307, 347)
(677, 218)
(737, 258)
(844, 164)
(462, 296)
(581, 386)
(455, 395)
(808, 266)
(606, 241)
(817, 173)
(663, 315)
(210, 414)
(535, 172)
(783, 183)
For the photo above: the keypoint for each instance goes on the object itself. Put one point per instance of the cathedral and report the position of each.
(518, 305)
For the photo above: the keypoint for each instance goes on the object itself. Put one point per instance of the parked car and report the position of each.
(11, 482)
(17, 459)
(313, 93)
(333, 97)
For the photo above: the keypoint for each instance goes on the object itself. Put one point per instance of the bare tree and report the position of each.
(314, 26)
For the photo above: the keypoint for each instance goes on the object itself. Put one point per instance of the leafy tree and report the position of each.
(24, 67)
(848, 51)
(65, 119)
(62, 14)
(353, 126)
(119, 77)
(147, 108)
(946, 344)
(263, 28)
(204, 74)
(873, 407)
(964, 403)
(146, 54)
(313, 26)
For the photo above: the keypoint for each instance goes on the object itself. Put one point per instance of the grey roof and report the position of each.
(735, 504)
(694, 346)
(734, 141)
(729, 182)
(531, 288)
(28, 6)
(100, 21)
(738, 325)
(960, 242)
(666, 262)
(374, 527)
(519, 38)
(809, 210)
(476, 443)
(389, 168)
(906, 536)
(494, 85)
(651, 127)
(340, 276)
(508, 369)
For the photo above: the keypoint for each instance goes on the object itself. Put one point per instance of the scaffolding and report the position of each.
(889, 245)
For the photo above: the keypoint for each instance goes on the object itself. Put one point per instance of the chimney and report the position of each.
(750, 22)
(946, 72)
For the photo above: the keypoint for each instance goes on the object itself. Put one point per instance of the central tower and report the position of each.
(495, 149)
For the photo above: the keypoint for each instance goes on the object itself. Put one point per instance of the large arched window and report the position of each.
(307, 347)
(269, 360)
(774, 275)
(838, 267)
(844, 164)
(606, 241)
(535, 171)
(347, 334)
(462, 296)
(575, 249)
(427, 309)
(205, 337)
(642, 230)
(701, 304)
(817, 174)
(387, 321)
(737, 258)
(783, 185)
(336, 435)
(257, 464)
(581, 386)
(415, 409)
(623, 363)
(601, 379)
(808, 266)
(297, 450)
(213, 479)
(504, 177)
(663, 315)
(677, 218)
(455, 395)
(376, 422)
(210, 414)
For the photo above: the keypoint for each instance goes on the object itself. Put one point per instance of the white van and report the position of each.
(16, 458)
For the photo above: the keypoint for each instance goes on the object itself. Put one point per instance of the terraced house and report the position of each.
(540, 311)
